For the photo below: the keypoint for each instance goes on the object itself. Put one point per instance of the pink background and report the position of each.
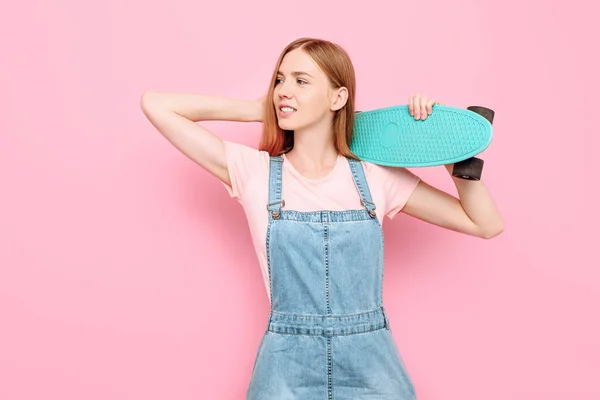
(126, 271)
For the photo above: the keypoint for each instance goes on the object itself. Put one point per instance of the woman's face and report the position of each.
(304, 87)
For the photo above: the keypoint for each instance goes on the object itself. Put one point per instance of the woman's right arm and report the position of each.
(175, 115)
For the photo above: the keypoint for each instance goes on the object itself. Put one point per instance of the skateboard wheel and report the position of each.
(485, 112)
(469, 169)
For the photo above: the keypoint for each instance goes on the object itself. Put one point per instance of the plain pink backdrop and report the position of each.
(127, 272)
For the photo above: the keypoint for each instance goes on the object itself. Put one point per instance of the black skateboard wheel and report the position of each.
(485, 112)
(471, 168)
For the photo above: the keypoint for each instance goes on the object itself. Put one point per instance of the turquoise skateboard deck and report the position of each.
(392, 137)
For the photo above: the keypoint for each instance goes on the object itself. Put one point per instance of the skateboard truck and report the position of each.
(471, 168)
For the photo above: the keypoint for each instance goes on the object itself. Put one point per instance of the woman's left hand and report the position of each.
(420, 106)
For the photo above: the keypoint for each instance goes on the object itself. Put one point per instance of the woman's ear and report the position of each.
(339, 98)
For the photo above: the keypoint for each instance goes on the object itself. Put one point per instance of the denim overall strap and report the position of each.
(360, 180)
(275, 201)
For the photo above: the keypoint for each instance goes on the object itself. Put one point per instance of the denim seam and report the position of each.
(382, 261)
(269, 270)
(329, 370)
(327, 292)
(373, 311)
(283, 332)
(353, 215)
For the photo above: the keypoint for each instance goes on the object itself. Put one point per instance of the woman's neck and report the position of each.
(314, 153)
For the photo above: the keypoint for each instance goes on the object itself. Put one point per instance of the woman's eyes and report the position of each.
(297, 80)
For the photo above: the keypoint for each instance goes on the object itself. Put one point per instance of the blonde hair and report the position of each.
(336, 64)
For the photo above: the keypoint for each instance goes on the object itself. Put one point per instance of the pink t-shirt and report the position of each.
(390, 189)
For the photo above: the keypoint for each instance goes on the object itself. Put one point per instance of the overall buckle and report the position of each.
(372, 212)
(276, 214)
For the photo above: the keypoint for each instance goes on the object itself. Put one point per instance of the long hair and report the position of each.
(336, 64)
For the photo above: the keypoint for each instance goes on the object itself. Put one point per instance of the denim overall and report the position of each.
(328, 336)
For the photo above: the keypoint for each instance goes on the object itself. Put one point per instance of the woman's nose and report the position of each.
(284, 90)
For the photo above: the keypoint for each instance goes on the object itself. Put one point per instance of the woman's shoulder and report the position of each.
(245, 151)
(394, 185)
(245, 165)
(375, 168)
(385, 174)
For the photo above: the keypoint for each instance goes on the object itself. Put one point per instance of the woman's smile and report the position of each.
(285, 112)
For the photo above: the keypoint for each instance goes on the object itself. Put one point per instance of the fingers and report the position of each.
(411, 105)
(430, 104)
(415, 107)
(420, 106)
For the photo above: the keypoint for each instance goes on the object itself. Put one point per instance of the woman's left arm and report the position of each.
(473, 213)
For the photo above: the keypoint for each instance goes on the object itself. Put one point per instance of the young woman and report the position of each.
(315, 214)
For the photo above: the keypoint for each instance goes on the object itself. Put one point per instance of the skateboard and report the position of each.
(390, 136)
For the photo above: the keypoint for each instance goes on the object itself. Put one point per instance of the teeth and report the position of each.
(287, 109)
